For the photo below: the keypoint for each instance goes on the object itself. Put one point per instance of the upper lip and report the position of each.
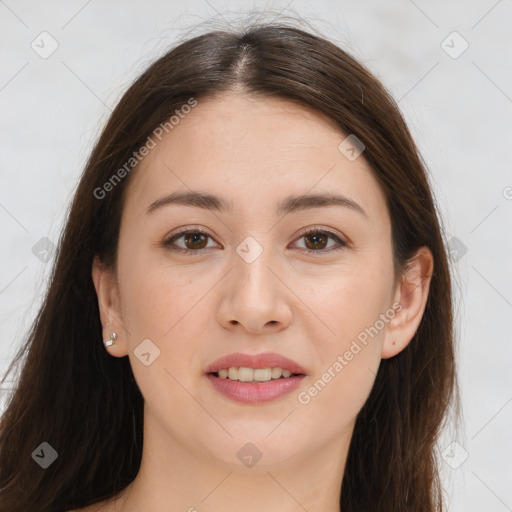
(264, 360)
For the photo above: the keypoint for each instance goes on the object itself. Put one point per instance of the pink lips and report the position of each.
(255, 392)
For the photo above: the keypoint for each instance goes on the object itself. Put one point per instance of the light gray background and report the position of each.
(458, 109)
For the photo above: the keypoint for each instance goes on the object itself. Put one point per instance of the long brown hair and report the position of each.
(87, 405)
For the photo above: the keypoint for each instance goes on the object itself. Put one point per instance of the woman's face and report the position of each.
(250, 286)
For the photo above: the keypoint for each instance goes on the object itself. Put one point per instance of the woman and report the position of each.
(255, 230)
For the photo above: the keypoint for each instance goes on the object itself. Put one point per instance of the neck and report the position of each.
(174, 477)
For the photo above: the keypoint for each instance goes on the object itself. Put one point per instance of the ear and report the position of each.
(105, 283)
(411, 297)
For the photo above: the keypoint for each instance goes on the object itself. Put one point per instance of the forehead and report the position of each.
(244, 147)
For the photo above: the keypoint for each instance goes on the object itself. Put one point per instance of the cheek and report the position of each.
(347, 299)
(349, 362)
(158, 297)
(354, 307)
(161, 303)
(330, 404)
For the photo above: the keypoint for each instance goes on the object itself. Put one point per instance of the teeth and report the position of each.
(245, 374)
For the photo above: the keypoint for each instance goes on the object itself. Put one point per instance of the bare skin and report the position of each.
(254, 152)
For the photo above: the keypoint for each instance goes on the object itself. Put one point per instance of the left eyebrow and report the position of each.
(305, 202)
(288, 205)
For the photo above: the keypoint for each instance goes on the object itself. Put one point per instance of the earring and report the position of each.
(112, 340)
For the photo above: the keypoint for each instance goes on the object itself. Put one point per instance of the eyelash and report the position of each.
(342, 244)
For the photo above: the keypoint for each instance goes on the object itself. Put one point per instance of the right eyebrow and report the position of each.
(193, 199)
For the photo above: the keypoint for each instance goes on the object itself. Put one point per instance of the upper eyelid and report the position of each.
(186, 230)
(329, 231)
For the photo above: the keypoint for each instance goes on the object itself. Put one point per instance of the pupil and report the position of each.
(316, 237)
(190, 239)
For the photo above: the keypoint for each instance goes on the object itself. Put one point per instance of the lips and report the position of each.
(264, 360)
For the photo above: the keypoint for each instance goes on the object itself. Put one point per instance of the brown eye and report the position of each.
(195, 240)
(318, 241)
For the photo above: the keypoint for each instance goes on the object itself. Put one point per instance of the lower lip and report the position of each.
(255, 393)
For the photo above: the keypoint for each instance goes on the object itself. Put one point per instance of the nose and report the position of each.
(255, 296)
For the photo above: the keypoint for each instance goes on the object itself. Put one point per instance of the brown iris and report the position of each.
(193, 238)
(318, 238)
